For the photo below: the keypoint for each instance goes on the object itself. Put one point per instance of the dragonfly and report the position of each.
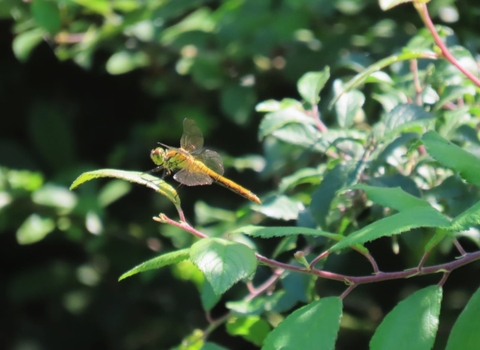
(194, 165)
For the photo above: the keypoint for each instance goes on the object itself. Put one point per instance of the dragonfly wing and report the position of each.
(211, 159)
(192, 138)
(191, 178)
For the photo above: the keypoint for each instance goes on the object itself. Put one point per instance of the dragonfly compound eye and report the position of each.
(158, 155)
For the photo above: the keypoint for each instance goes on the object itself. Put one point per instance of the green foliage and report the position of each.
(422, 309)
(368, 173)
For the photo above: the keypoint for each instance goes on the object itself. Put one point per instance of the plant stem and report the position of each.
(423, 11)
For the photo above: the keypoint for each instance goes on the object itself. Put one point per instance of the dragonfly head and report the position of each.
(158, 156)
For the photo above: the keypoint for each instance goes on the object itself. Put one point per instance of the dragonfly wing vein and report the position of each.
(191, 178)
(192, 138)
(212, 160)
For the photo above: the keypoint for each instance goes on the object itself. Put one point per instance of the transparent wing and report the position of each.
(211, 159)
(190, 178)
(192, 138)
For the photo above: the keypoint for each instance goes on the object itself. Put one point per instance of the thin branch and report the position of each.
(416, 82)
(318, 258)
(320, 125)
(423, 11)
(347, 291)
(422, 261)
(459, 247)
(162, 218)
(465, 259)
(444, 279)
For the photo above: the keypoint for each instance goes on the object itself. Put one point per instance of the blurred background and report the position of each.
(91, 84)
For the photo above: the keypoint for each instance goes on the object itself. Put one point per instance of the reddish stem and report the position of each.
(423, 11)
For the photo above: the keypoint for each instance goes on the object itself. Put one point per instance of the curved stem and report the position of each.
(423, 11)
(347, 291)
(352, 280)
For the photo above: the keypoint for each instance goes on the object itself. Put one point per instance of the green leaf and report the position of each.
(467, 219)
(113, 191)
(100, 6)
(237, 103)
(395, 224)
(379, 77)
(47, 15)
(453, 120)
(122, 62)
(412, 324)
(55, 196)
(465, 334)
(270, 232)
(303, 135)
(298, 285)
(314, 326)
(453, 157)
(141, 178)
(223, 262)
(34, 229)
(394, 198)
(347, 105)
(286, 244)
(280, 207)
(158, 262)
(199, 20)
(276, 120)
(325, 193)
(24, 43)
(302, 176)
(208, 297)
(388, 4)
(437, 238)
(311, 83)
(278, 301)
(403, 117)
(274, 105)
(360, 78)
(252, 328)
(212, 346)
(452, 93)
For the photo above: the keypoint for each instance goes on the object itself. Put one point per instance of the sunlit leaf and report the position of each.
(276, 120)
(403, 117)
(113, 191)
(313, 326)
(360, 78)
(394, 198)
(55, 196)
(270, 232)
(388, 4)
(464, 334)
(395, 224)
(280, 207)
(348, 105)
(252, 328)
(123, 62)
(158, 262)
(148, 180)
(311, 83)
(24, 43)
(412, 324)
(99, 6)
(453, 157)
(223, 262)
(34, 229)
